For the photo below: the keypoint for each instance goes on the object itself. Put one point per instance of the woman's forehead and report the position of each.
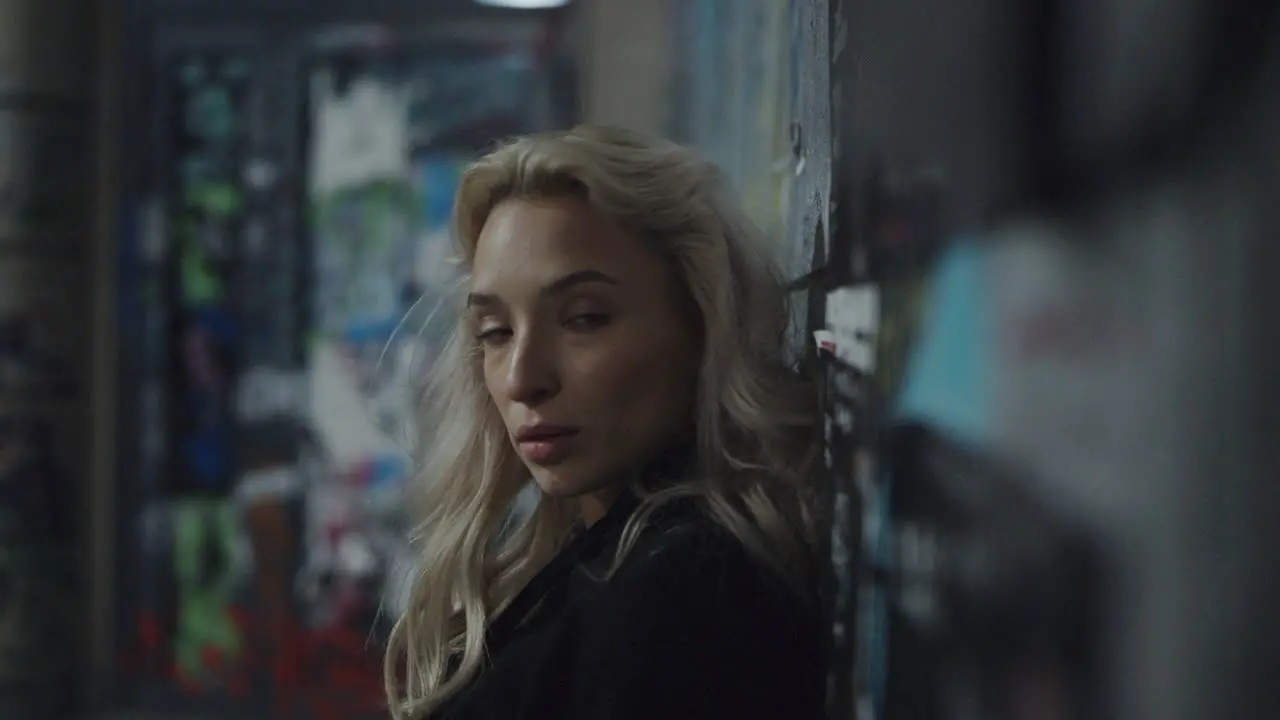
(540, 242)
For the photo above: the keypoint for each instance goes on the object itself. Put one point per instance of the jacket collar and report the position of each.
(596, 541)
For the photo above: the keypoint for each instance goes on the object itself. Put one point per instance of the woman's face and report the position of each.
(590, 352)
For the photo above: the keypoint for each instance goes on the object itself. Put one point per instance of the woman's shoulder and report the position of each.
(685, 540)
(685, 563)
(691, 611)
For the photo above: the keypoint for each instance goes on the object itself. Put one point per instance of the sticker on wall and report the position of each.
(948, 379)
(359, 133)
(853, 320)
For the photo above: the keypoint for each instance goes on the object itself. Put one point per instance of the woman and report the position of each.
(620, 343)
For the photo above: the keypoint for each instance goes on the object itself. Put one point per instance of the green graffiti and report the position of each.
(215, 199)
(200, 284)
(210, 114)
(375, 198)
(359, 229)
(204, 545)
(236, 69)
(192, 73)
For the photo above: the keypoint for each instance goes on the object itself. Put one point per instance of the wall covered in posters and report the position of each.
(388, 144)
(289, 258)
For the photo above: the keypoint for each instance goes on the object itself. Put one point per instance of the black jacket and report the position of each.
(688, 627)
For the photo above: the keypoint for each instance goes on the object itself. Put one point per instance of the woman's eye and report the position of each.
(493, 336)
(588, 321)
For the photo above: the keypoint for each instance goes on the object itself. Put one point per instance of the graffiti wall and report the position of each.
(387, 148)
(280, 366)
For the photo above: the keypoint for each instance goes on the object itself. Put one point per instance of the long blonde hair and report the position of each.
(755, 417)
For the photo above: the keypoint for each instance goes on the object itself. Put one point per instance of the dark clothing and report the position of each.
(689, 627)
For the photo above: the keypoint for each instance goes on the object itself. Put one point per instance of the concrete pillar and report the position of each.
(100, 487)
(45, 161)
(624, 65)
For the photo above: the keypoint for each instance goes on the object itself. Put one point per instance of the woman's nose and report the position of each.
(532, 376)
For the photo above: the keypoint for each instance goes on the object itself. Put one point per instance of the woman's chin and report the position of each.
(565, 484)
(558, 483)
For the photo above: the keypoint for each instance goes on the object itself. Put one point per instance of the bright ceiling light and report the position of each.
(524, 4)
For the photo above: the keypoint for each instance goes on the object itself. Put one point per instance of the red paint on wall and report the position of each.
(327, 674)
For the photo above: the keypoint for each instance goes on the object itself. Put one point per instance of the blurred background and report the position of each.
(1030, 246)
(216, 216)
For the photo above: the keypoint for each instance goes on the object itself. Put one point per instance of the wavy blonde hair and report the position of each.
(755, 417)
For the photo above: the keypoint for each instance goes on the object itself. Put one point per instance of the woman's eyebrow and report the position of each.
(482, 299)
(577, 277)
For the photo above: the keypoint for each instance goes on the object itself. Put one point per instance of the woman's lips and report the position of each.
(547, 449)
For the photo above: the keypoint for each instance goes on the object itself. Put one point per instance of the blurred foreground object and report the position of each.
(1074, 508)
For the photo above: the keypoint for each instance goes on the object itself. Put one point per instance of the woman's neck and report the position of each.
(670, 465)
(595, 505)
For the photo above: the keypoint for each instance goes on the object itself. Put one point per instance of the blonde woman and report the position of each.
(620, 342)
